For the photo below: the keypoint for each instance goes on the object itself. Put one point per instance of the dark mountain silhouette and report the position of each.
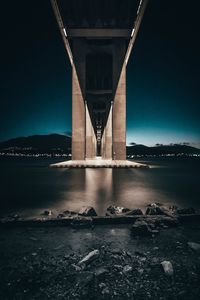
(162, 149)
(39, 143)
(57, 143)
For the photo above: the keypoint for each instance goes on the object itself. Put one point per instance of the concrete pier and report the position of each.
(90, 137)
(78, 120)
(119, 119)
(107, 138)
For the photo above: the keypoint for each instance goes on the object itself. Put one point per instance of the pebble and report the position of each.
(127, 269)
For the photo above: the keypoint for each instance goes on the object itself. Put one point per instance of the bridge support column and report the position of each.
(90, 136)
(119, 119)
(78, 119)
(107, 138)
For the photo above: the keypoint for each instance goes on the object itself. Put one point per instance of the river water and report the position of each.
(28, 186)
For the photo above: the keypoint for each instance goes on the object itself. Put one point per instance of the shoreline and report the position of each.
(88, 221)
(45, 263)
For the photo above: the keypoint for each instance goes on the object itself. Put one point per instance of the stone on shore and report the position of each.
(87, 211)
(127, 269)
(156, 209)
(116, 210)
(168, 268)
(140, 228)
(89, 258)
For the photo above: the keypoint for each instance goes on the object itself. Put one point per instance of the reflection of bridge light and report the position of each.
(98, 187)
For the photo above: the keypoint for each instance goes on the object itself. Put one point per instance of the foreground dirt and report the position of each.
(43, 263)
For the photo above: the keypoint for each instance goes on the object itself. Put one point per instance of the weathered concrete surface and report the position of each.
(78, 120)
(107, 138)
(119, 119)
(98, 163)
(90, 137)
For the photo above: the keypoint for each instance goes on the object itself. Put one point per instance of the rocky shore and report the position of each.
(156, 256)
(155, 214)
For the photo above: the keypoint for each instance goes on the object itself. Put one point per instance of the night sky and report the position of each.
(162, 75)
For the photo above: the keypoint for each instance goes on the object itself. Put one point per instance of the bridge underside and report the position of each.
(98, 36)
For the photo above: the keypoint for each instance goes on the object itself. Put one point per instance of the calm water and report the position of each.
(28, 186)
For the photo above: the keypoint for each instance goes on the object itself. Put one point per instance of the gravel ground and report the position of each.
(44, 263)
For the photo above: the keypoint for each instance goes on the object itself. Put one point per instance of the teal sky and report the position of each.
(162, 76)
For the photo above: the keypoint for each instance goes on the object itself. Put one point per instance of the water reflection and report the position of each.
(91, 187)
(99, 186)
(35, 188)
(103, 187)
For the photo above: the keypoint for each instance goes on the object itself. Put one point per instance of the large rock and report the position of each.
(156, 209)
(87, 211)
(140, 228)
(116, 210)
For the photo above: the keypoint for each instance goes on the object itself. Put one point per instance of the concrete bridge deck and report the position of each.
(98, 163)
